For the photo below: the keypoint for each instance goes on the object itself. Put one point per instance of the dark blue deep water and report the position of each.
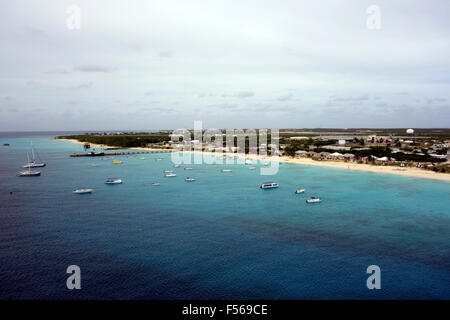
(220, 237)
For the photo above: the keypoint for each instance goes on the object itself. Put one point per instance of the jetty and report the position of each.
(118, 153)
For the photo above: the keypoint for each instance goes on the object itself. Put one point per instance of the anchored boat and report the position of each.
(313, 200)
(269, 185)
(29, 172)
(299, 191)
(35, 160)
(168, 175)
(189, 179)
(82, 191)
(113, 181)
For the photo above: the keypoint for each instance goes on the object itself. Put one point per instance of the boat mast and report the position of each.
(28, 161)
(32, 151)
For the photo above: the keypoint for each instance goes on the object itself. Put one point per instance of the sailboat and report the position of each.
(33, 163)
(28, 173)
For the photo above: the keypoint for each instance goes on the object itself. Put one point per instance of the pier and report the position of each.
(119, 153)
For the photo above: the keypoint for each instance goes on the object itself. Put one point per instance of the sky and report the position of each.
(151, 64)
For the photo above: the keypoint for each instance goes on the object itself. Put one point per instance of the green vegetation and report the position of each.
(122, 140)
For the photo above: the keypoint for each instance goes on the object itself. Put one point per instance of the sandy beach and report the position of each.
(410, 172)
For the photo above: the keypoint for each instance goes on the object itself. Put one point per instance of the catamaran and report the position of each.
(33, 163)
(28, 173)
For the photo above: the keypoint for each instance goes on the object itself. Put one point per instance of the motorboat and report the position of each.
(156, 184)
(187, 168)
(252, 168)
(313, 200)
(176, 166)
(189, 179)
(82, 191)
(266, 164)
(168, 175)
(168, 171)
(227, 170)
(248, 162)
(113, 181)
(117, 162)
(299, 191)
(269, 185)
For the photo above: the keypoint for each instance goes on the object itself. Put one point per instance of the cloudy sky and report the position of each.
(155, 64)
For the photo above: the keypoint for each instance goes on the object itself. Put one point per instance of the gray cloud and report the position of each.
(166, 54)
(92, 68)
(244, 94)
(87, 85)
(285, 97)
(361, 97)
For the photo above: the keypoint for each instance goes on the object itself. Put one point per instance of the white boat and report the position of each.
(35, 160)
(29, 172)
(82, 191)
(252, 168)
(168, 175)
(189, 179)
(176, 166)
(266, 164)
(168, 171)
(159, 159)
(269, 185)
(227, 170)
(187, 168)
(248, 162)
(113, 181)
(156, 184)
(299, 191)
(143, 158)
(313, 200)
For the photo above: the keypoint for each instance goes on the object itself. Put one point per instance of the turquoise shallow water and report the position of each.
(220, 236)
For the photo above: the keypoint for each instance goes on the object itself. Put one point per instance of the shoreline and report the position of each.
(410, 172)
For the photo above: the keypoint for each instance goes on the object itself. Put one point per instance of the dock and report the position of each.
(119, 153)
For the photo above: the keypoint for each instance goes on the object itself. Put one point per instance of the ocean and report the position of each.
(220, 237)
